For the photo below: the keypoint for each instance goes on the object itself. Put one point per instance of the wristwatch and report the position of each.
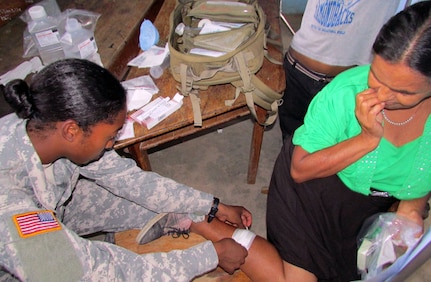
(214, 209)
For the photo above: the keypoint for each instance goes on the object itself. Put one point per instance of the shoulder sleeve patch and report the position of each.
(36, 222)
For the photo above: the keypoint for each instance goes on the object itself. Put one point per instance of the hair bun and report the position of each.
(17, 94)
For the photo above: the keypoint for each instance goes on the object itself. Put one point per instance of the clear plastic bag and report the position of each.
(80, 41)
(52, 10)
(87, 19)
(382, 239)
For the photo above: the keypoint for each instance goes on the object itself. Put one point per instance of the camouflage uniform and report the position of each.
(111, 194)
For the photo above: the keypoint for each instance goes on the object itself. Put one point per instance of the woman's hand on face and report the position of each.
(368, 111)
(234, 215)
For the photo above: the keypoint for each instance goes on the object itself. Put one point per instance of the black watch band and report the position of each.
(214, 209)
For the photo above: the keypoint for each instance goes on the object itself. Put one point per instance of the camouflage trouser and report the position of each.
(93, 209)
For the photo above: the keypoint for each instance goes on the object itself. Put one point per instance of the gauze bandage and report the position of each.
(244, 237)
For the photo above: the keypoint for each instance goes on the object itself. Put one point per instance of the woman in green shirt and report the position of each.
(364, 145)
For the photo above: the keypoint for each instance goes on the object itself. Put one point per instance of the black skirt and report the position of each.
(314, 224)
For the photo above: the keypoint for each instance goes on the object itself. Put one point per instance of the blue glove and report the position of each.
(149, 35)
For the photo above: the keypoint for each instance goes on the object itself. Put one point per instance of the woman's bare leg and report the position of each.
(263, 262)
(295, 273)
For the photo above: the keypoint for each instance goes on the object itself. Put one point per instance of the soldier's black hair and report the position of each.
(67, 89)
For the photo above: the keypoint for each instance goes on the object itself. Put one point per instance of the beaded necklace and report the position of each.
(397, 123)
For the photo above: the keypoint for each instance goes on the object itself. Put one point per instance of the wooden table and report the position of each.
(116, 34)
(214, 112)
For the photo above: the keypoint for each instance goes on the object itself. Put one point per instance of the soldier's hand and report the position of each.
(231, 255)
(234, 215)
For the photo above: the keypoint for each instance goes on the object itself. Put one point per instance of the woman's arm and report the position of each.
(329, 161)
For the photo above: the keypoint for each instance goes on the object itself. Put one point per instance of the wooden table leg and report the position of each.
(140, 156)
(256, 145)
(142, 160)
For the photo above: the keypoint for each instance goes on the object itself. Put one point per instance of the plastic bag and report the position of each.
(52, 10)
(87, 47)
(87, 19)
(382, 239)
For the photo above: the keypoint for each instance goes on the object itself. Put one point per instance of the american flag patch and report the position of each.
(34, 223)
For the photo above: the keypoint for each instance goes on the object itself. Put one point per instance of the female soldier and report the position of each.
(59, 180)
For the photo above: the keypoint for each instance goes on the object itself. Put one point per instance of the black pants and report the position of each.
(314, 224)
(300, 90)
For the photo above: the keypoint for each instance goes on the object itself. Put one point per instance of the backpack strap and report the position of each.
(256, 92)
(196, 106)
(188, 88)
(267, 98)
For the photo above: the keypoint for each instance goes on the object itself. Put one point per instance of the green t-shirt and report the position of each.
(404, 172)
